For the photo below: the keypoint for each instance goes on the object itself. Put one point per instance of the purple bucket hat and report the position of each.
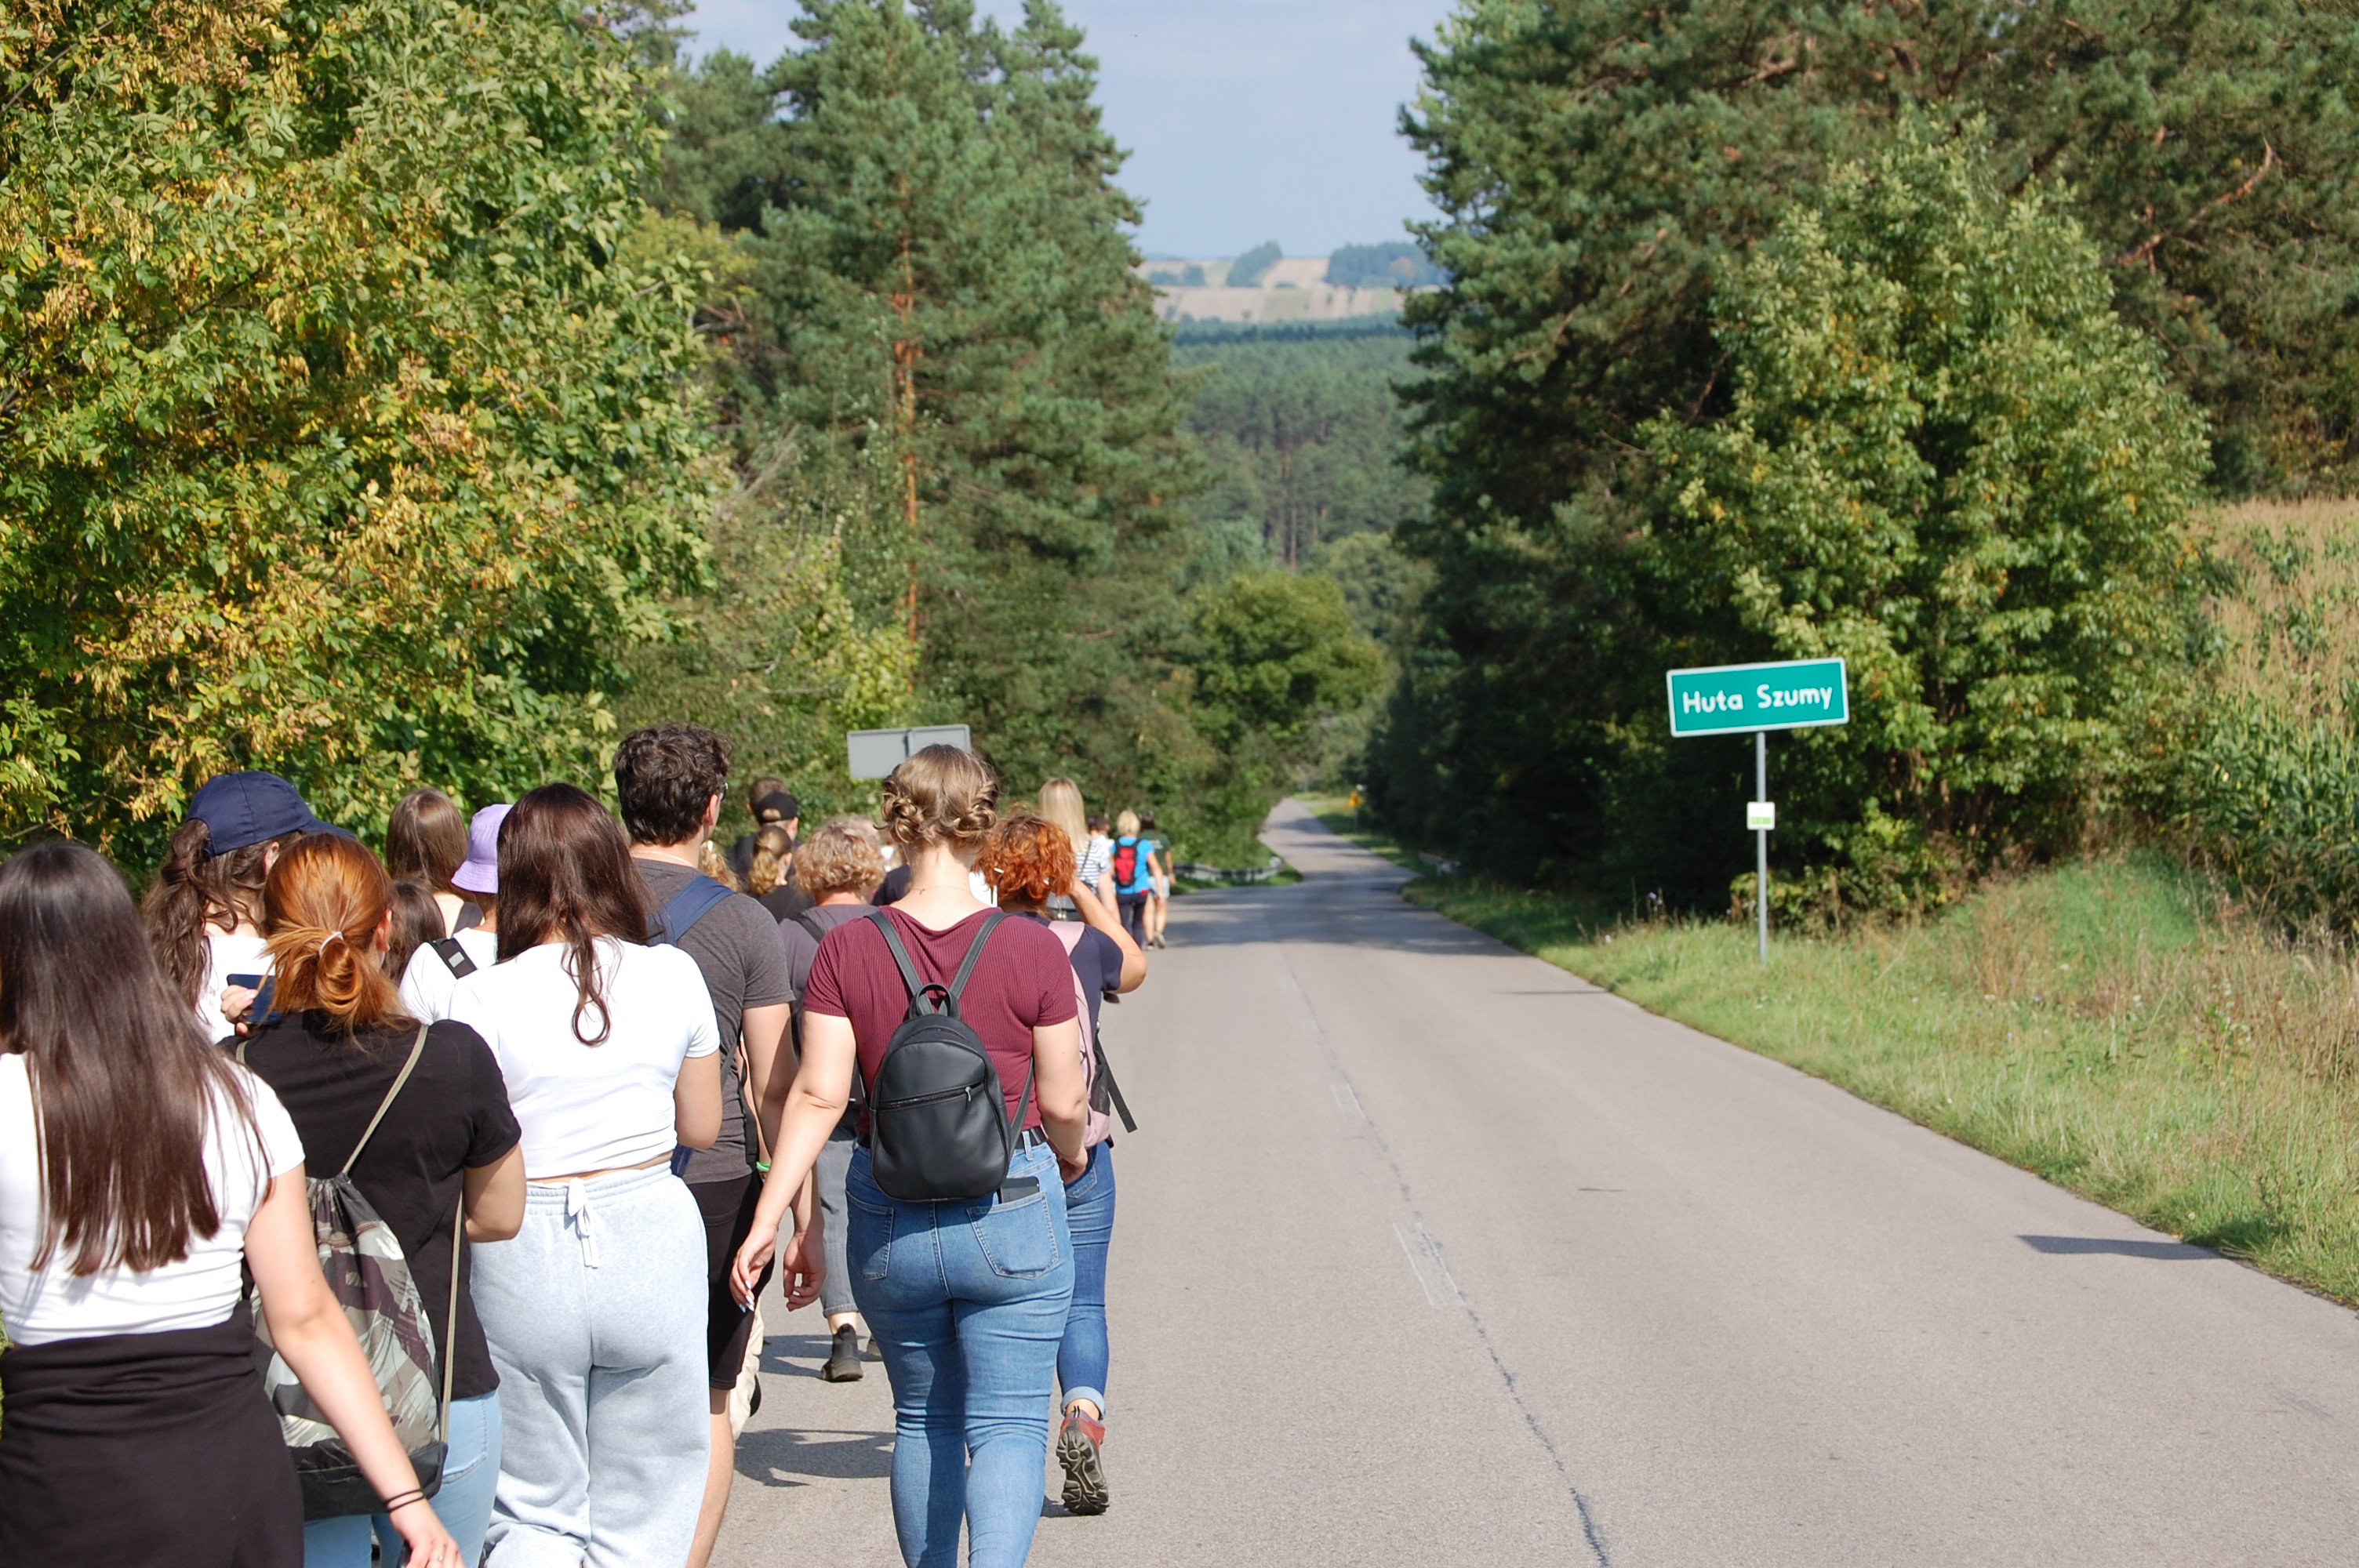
(480, 872)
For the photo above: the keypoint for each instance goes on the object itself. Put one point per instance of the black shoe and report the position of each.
(1077, 1451)
(843, 1357)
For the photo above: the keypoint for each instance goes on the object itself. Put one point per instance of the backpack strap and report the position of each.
(1113, 1089)
(910, 979)
(973, 952)
(417, 1049)
(454, 958)
(802, 917)
(685, 908)
(451, 1319)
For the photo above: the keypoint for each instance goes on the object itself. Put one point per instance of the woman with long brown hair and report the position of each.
(595, 1311)
(140, 1171)
(418, 1117)
(426, 843)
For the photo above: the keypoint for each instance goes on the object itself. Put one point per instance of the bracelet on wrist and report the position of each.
(403, 1500)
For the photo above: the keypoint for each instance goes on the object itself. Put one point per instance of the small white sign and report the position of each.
(1760, 815)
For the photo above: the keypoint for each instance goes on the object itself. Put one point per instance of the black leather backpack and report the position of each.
(938, 1130)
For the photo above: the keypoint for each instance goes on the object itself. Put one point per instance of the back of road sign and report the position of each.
(1802, 694)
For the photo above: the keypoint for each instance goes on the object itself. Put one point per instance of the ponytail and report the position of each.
(327, 896)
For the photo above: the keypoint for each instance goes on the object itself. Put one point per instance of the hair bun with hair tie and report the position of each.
(321, 950)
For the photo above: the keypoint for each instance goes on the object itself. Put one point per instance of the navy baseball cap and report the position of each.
(249, 808)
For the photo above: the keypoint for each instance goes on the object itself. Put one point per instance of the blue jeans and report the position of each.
(968, 1303)
(1089, 1217)
(464, 1503)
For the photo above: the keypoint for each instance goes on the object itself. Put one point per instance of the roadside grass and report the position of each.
(2117, 1027)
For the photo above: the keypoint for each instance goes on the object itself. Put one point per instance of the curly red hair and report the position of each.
(1027, 860)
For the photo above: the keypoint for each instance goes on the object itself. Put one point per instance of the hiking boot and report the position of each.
(844, 1357)
(1078, 1443)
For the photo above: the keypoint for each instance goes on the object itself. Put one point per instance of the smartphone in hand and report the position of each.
(264, 987)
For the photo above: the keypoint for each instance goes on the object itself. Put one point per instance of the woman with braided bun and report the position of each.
(967, 1298)
(333, 1052)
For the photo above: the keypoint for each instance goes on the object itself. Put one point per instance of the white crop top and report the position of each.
(590, 1108)
(41, 1308)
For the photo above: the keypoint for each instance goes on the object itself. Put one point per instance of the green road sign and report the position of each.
(1802, 694)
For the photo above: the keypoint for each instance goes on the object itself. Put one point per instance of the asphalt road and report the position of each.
(1431, 1253)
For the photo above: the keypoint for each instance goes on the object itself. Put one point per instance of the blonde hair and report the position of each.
(839, 857)
(1128, 825)
(325, 899)
(1060, 804)
(714, 864)
(942, 796)
(774, 847)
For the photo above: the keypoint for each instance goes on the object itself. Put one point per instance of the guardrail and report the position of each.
(1232, 876)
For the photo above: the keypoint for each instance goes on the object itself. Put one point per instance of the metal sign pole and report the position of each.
(1761, 840)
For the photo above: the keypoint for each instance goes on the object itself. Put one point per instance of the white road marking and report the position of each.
(1424, 1261)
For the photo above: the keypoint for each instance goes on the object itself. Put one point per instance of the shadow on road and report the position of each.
(780, 1456)
(2067, 1246)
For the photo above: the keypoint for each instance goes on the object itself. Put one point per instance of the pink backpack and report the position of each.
(1105, 1095)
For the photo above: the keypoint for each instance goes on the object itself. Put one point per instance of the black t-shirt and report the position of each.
(737, 945)
(784, 902)
(895, 887)
(451, 1116)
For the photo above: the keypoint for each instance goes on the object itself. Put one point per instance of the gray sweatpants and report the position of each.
(835, 1159)
(595, 1313)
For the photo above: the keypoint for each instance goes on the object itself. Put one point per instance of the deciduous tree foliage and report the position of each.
(1940, 455)
(1600, 164)
(1947, 461)
(334, 435)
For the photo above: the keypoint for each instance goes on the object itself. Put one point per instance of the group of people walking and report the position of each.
(487, 1148)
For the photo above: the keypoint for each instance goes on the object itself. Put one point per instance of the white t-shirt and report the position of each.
(233, 954)
(590, 1108)
(41, 1308)
(428, 982)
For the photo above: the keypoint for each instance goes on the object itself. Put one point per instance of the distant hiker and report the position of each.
(418, 1117)
(436, 968)
(1060, 802)
(773, 882)
(1097, 856)
(669, 781)
(961, 1259)
(204, 912)
(425, 842)
(137, 1431)
(1157, 908)
(595, 1311)
(1025, 858)
(838, 868)
(1133, 872)
(772, 805)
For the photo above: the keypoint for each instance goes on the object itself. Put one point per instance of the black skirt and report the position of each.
(140, 1449)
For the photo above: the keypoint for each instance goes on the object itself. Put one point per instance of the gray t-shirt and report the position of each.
(737, 947)
(802, 948)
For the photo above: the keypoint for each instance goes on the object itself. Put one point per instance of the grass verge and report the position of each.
(2116, 1027)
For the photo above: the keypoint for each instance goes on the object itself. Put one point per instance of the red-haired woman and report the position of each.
(140, 1171)
(336, 1050)
(1027, 860)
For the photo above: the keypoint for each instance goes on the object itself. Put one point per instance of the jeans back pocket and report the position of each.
(1018, 1239)
(868, 1236)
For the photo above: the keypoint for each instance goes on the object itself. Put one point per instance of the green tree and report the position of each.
(940, 274)
(1599, 165)
(1249, 269)
(1277, 660)
(338, 438)
(1948, 461)
(1396, 264)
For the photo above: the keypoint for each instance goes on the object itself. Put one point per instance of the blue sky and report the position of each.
(1247, 120)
